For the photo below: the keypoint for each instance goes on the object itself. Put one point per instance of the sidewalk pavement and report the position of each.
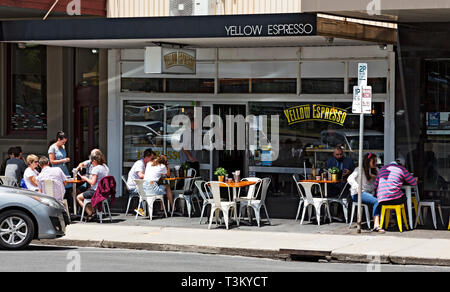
(283, 239)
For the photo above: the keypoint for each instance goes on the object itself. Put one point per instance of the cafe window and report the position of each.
(27, 88)
(379, 85)
(169, 85)
(279, 85)
(322, 85)
(177, 85)
(305, 140)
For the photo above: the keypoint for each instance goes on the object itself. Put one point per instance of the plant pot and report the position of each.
(334, 176)
(221, 178)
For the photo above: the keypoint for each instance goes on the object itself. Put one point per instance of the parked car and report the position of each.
(27, 215)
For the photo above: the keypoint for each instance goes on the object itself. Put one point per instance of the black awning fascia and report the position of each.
(226, 26)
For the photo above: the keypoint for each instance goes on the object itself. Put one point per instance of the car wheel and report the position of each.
(16, 230)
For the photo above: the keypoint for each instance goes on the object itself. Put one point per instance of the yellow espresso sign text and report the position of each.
(315, 112)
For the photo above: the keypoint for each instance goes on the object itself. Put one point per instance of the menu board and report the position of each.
(438, 123)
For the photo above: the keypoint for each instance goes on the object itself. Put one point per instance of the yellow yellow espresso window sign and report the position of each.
(315, 112)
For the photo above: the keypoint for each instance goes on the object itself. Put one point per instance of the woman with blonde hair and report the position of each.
(154, 172)
(31, 173)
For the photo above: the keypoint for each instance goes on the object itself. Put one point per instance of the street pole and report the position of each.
(360, 169)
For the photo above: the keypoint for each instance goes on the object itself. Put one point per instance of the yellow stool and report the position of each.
(399, 210)
(448, 223)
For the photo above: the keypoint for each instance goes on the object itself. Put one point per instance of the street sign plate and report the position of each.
(362, 100)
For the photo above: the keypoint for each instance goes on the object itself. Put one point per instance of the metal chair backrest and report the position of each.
(298, 185)
(8, 181)
(253, 190)
(214, 187)
(53, 188)
(141, 190)
(48, 188)
(191, 172)
(307, 186)
(265, 187)
(201, 187)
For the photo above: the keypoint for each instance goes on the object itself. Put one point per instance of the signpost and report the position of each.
(362, 104)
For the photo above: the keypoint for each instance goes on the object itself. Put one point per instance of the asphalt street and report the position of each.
(38, 258)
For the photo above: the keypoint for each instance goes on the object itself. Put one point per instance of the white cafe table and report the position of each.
(408, 194)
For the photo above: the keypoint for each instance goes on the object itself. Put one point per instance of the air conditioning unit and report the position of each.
(181, 7)
(190, 7)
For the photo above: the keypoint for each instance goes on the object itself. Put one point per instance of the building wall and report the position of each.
(149, 8)
(88, 7)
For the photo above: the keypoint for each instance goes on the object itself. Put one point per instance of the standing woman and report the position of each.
(58, 158)
(31, 173)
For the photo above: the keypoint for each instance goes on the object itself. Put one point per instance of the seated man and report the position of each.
(346, 166)
(15, 167)
(51, 173)
(138, 172)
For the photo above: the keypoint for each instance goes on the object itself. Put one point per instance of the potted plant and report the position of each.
(334, 171)
(221, 173)
(185, 167)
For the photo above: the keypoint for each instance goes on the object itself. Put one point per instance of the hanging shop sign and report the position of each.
(160, 60)
(315, 112)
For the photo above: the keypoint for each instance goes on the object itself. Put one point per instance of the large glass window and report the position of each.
(149, 125)
(307, 137)
(423, 135)
(27, 102)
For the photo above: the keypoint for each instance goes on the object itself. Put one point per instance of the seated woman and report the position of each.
(31, 173)
(99, 171)
(154, 171)
(369, 172)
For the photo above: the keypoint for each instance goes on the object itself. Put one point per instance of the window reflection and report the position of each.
(28, 99)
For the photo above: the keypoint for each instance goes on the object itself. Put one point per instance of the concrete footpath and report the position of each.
(393, 248)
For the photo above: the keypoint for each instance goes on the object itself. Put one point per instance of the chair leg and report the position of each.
(267, 214)
(382, 217)
(418, 216)
(433, 216)
(345, 209)
(353, 214)
(164, 207)
(328, 211)
(298, 210)
(235, 215)
(82, 212)
(367, 216)
(201, 214)
(304, 212)
(211, 216)
(318, 211)
(399, 219)
(388, 217)
(128, 205)
(140, 202)
(188, 206)
(405, 219)
(440, 215)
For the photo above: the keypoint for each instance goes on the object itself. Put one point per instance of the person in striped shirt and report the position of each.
(389, 181)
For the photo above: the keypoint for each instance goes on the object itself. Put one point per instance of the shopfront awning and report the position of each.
(300, 29)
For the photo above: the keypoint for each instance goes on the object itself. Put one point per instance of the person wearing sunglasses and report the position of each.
(31, 173)
(369, 175)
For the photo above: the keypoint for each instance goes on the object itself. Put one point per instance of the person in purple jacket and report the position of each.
(389, 181)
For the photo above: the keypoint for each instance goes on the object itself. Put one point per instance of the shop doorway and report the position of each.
(231, 160)
(86, 103)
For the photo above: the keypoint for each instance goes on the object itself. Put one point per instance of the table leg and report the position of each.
(74, 198)
(409, 202)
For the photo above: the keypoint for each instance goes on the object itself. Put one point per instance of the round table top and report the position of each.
(322, 181)
(240, 184)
